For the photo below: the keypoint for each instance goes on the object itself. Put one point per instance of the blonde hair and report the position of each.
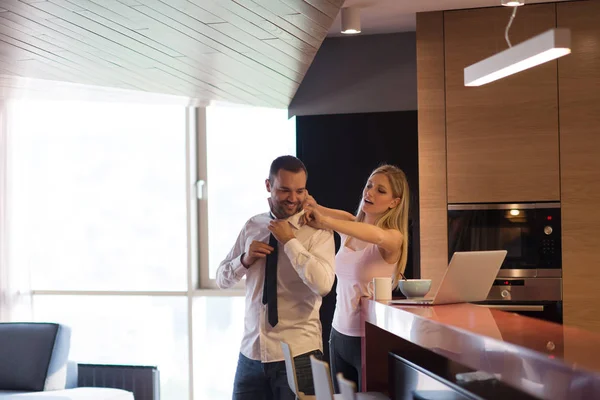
(396, 217)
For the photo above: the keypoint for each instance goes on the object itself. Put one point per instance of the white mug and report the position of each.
(381, 288)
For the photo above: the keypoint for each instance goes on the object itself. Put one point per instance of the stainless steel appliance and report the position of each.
(530, 279)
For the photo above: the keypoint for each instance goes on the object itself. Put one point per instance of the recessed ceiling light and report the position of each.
(350, 20)
(513, 3)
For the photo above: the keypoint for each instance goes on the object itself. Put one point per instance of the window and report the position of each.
(218, 330)
(241, 143)
(97, 198)
(101, 217)
(98, 195)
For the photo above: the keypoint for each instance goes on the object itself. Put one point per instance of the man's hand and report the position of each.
(255, 251)
(282, 230)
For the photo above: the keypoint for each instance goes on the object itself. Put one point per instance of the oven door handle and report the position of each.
(510, 307)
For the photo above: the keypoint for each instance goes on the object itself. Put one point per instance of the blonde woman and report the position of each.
(374, 244)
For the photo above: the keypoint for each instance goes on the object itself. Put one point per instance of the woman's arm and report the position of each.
(336, 214)
(390, 240)
(330, 212)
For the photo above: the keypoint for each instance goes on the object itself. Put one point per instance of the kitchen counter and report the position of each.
(538, 358)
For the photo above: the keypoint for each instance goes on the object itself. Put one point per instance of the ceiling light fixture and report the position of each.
(542, 48)
(513, 3)
(350, 20)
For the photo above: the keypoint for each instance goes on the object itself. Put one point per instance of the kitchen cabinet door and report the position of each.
(502, 138)
(579, 84)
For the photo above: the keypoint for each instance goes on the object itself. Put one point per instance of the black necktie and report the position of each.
(270, 286)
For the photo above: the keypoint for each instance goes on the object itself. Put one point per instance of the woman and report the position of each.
(374, 244)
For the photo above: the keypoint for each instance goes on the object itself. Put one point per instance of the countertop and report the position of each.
(544, 359)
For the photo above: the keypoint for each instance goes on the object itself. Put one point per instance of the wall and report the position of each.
(360, 74)
(340, 151)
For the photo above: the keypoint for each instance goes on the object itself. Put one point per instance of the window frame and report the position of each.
(200, 214)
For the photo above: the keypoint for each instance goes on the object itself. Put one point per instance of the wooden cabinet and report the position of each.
(502, 138)
(432, 146)
(579, 110)
(500, 142)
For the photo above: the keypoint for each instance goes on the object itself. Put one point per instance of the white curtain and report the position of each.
(15, 296)
(4, 277)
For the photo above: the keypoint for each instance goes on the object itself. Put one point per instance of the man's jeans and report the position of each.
(268, 381)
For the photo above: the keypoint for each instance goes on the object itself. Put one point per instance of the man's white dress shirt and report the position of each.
(305, 273)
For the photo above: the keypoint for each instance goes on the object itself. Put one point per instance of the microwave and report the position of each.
(529, 232)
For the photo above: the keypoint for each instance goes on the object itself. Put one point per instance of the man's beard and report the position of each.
(280, 210)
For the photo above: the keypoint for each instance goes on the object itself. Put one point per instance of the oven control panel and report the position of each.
(509, 282)
(526, 289)
(548, 247)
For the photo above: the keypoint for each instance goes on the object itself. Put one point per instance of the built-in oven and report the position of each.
(530, 279)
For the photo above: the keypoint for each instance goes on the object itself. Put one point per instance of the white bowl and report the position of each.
(414, 287)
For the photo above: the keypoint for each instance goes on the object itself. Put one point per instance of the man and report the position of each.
(288, 268)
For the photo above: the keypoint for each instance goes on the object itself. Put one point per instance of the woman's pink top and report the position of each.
(354, 270)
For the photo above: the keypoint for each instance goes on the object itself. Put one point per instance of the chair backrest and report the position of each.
(290, 368)
(33, 356)
(347, 387)
(321, 379)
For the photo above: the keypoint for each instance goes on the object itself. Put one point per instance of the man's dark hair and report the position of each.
(288, 163)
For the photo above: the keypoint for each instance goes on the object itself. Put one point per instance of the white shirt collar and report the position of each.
(294, 220)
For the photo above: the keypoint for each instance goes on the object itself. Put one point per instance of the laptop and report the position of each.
(468, 278)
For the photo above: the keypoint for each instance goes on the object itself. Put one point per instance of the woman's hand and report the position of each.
(309, 201)
(313, 217)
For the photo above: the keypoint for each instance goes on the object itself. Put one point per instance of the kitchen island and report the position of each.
(477, 351)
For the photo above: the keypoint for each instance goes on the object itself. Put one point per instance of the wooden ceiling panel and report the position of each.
(308, 10)
(244, 51)
(276, 24)
(305, 24)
